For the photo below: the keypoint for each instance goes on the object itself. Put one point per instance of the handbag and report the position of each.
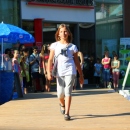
(54, 69)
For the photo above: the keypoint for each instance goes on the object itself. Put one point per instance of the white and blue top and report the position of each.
(66, 65)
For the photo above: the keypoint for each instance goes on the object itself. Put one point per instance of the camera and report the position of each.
(64, 51)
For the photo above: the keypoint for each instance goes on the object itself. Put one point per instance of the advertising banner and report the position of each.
(109, 45)
(124, 56)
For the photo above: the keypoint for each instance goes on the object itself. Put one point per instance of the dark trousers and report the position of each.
(97, 79)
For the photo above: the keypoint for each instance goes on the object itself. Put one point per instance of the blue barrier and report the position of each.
(10, 86)
(6, 86)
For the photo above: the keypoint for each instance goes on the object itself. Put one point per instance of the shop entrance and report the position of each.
(49, 30)
(87, 39)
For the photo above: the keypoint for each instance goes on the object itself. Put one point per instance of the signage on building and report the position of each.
(88, 4)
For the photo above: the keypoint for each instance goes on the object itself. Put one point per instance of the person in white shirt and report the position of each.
(115, 65)
(68, 61)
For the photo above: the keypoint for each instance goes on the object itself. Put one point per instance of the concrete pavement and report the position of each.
(91, 109)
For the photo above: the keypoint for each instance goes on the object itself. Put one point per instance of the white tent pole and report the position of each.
(126, 76)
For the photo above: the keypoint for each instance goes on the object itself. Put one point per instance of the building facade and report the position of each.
(41, 18)
(10, 12)
(96, 25)
(109, 26)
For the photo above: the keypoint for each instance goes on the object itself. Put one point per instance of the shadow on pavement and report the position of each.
(38, 96)
(90, 92)
(54, 94)
(75, 117)
(87, 90)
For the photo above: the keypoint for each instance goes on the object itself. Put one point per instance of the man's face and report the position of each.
(26, 54)
(35, 51)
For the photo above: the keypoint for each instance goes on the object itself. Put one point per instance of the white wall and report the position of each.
(58, 14)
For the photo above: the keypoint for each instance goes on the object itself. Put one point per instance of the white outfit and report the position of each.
(66, 69)
(66, 65)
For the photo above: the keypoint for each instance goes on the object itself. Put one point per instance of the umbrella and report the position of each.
(13, 34)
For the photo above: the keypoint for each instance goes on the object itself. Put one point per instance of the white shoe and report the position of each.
(109, 86)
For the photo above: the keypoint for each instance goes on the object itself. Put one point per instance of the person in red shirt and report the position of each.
(106, 69)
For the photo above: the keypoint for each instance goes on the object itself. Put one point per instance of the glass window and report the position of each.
(109, 26)
(106, 10)
(10, 11)
(28, 26)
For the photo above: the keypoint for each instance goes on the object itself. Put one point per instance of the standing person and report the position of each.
(81, 60)
(24, 73)
(24, 63)
(16, 66)
(98, 71)
(46, 57)
(115, 65)
(106, 69)
(67, 62)
(21, 48)
(8, 60)
(26, 55)
(43, 71)
(34, 60)
(15, 62)
(91, 70)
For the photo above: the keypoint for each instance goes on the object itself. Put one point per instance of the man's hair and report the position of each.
(34, 47)
(7, 50)
(25, 50)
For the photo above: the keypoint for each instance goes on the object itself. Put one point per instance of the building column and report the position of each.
(77, 35)
(126, 18)
(38, 33)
